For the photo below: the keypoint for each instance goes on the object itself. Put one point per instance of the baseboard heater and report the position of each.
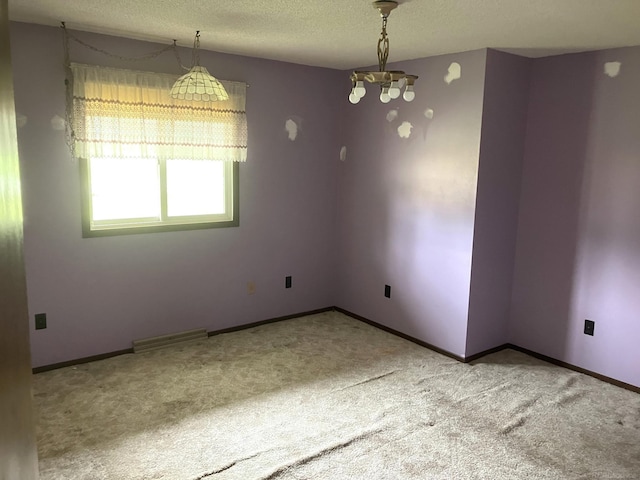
(153, 343)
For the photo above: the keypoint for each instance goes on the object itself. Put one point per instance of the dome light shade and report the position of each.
(198, 84)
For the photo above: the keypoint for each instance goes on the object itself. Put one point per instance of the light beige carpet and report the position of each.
(328, 397)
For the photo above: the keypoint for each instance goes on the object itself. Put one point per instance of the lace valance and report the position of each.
(129, 114)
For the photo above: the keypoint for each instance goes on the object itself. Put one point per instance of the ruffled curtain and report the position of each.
(124, 113)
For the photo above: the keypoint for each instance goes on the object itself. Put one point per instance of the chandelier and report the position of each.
(198, 83)
(390, 81)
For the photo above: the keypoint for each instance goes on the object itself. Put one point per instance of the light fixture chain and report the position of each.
(195, 56)
(383, 46)
(178, 59)
(147, 56)
(68, 83)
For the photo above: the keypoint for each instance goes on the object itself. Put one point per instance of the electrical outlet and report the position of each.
(589, 327)
(41, 321)
(387, 291)
(251, 288)
(287, 282)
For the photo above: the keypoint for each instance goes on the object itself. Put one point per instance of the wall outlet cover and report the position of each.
(589, 327)
(41, 321)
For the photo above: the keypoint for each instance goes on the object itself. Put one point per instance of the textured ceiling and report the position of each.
(343, 33)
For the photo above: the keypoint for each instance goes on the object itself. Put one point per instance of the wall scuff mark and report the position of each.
(404, 130)
(292, 129)
(58, 123)
(21, 120)
(428, 115)
(454, 73)
(612, 69)
(343, 153)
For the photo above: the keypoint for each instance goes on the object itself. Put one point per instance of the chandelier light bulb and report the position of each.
(409, 94)
(353, 97)
(394, 89)
(384, 95)
(359, 89)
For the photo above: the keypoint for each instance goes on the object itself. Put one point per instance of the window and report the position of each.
(143, 195)
(149, 162)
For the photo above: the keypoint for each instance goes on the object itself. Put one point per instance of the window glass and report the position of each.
(195, 187)
(124, 188)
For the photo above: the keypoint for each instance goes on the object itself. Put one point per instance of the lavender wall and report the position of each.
(432, 215)
(578, 253)
(504, 119)
(101, 293)
(406, 205)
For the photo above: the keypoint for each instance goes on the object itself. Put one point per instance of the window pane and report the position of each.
(195, 187)
(124, 188)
